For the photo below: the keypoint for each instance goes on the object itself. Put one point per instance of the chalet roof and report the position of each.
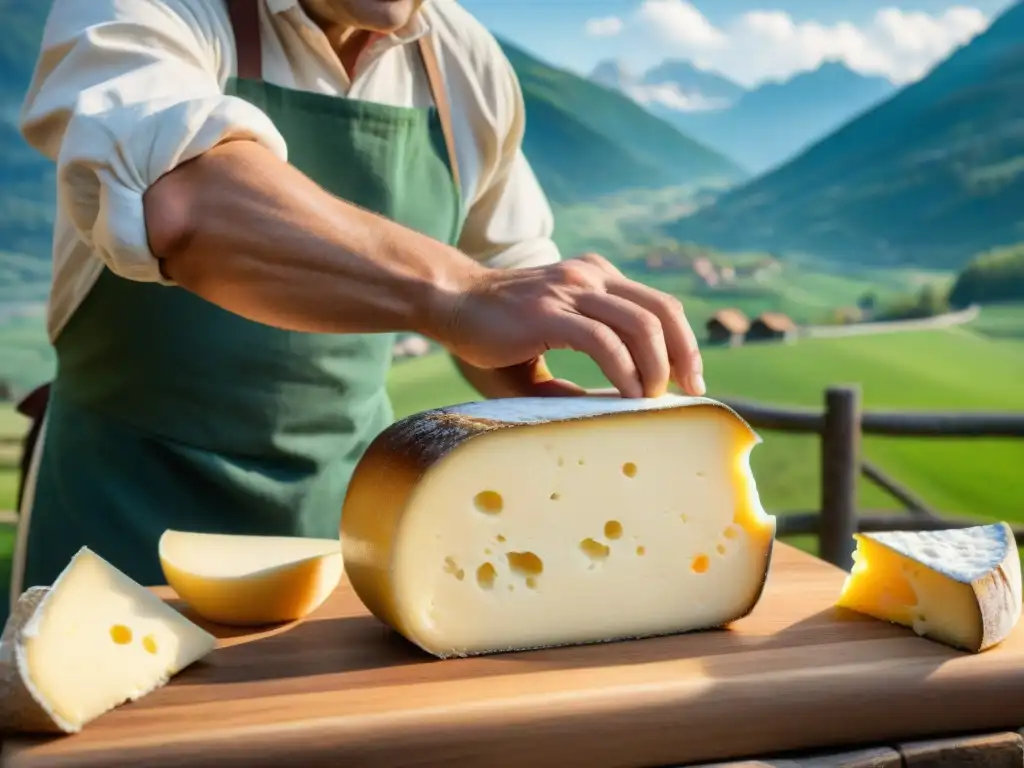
(733, 320)
(776, 321)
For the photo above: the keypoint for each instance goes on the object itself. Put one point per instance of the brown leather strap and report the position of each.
(34, 406)
(440, 93)
(245, 23)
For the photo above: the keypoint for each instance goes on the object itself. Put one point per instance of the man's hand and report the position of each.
(530, 379)
(638, 336)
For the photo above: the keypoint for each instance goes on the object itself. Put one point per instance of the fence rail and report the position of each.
(841, 425)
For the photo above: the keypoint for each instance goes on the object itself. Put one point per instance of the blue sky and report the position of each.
(555, 30)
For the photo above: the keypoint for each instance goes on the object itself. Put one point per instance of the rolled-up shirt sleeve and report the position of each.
(510, 223)
(123, 92)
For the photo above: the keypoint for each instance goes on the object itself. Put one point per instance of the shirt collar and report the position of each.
(416, 28)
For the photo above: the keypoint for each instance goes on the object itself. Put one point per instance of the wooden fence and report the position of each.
(840, 426)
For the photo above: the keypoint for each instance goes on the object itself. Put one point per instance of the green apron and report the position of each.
(170, 412)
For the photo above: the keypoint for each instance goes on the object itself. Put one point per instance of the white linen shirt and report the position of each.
(126, 90)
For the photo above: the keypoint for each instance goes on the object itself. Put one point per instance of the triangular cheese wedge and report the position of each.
(92, 641)
(960, 586)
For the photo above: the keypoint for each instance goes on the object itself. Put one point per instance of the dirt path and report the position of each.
(948, 320)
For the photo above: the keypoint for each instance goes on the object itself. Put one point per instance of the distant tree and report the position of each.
(994, 276)
(932, 300)
(868, 301)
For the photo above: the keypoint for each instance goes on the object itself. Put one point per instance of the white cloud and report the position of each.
(768, 44)
(608, 26)
(670, 95)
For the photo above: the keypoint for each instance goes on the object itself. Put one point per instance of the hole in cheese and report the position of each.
(629, 469)
(721, 549)
(489, 502)
(120, 634)
(700, 564)
(683, 516)
(731, 532)
(252, 580)
(613, 529)
(531, 582)
(595, 550)
(452, 567)
(583, 596)
(581, 462)
(525, 563)
(500, 539)
(485, 576)
(149, 643)
(555, 496)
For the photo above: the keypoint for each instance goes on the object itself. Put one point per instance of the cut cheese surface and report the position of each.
(961, 587)
(525, 523)
(94, 640)
(250, 580)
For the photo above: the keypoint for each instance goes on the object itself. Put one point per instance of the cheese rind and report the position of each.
(960, 587)
(536, 522)
(92, 641)
(250, 580)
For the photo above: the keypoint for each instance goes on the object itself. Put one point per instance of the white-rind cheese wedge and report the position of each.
(961, 587)
(92, 641)
(250, 580)
(536, 522)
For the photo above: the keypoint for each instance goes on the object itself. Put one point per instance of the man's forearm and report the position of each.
(255, 236)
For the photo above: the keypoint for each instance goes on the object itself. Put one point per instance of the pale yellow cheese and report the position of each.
(92, 641)
(250, 580)
(961, 587)
(525, 523)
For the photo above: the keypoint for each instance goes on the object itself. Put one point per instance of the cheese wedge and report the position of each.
(525, 523)
(961, 587)
(250, 580)
(92, 641)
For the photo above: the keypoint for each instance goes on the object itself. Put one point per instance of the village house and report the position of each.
(727, 327)
(772, 326)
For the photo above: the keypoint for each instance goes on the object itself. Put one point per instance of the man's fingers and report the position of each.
(556, 388)
(683, 351)
(642, 332)
(602, 345)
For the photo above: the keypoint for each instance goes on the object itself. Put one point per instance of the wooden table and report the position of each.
(340, 690)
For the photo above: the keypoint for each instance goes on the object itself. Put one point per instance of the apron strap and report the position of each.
(440, 94)
(245, 23)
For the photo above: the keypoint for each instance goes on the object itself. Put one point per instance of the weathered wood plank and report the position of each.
(840, 471)
(997, 750)
(880, 757)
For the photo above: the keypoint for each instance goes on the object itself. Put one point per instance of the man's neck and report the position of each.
(348, 42)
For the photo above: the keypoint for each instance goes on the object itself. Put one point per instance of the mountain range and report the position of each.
(931, 175)
(758, 128)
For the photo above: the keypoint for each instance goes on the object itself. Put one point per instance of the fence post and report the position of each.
(840, 472)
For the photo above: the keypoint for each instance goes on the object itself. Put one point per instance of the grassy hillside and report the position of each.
(900, 371)
(932, 175)
(586, 141)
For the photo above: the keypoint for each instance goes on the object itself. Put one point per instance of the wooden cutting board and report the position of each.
(340, 690)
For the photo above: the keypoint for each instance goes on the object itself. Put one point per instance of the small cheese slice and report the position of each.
(961, 587)
(92, 641)
(534, 522)
(250, 580)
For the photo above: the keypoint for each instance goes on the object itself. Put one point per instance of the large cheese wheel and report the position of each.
(524, 523)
